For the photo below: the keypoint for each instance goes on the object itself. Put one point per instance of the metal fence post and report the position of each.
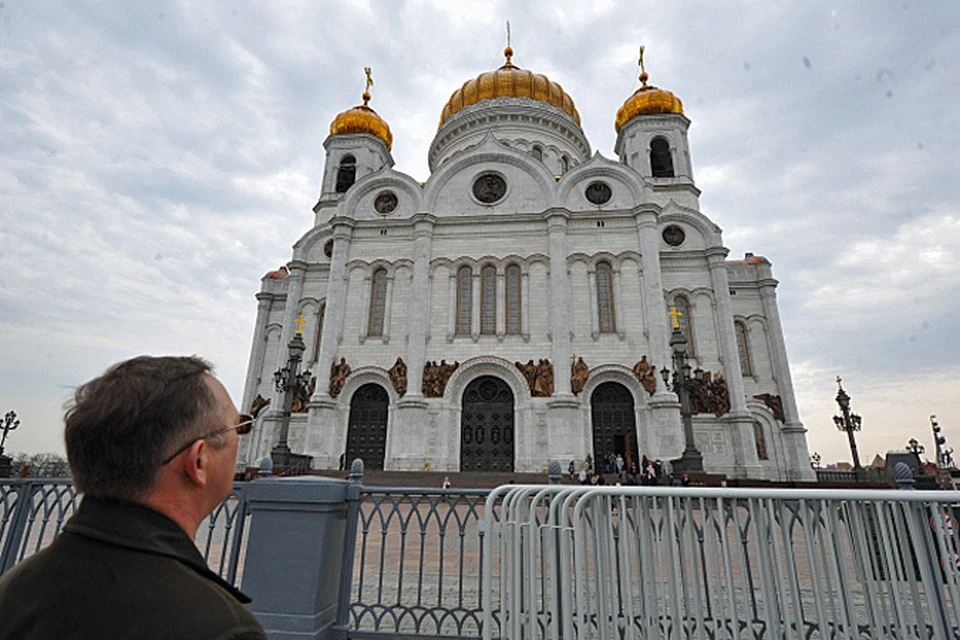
(342, 627)
(18, 524)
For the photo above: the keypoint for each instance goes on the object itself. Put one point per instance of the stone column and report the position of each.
(740, 420)
(408, 448)
(258, 350)
(564, 422)
(652, 279)
(559, 302)
(298, 269)
(619, 320)
(797, 455)
(336, 306)
(325, 428)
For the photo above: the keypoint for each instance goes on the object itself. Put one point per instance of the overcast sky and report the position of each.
(157, 158)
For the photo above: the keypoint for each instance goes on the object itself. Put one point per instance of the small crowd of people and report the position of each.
(627, 472)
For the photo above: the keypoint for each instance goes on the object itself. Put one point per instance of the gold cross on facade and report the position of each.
(675, 316)
(300, 322)
(839, 382)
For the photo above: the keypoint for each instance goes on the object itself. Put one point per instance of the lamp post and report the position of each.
(691, 460)
(915, 448)
(939, 441)
(289, 381)
(849, 422)
(7, 424)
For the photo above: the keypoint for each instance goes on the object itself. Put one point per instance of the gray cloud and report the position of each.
(158, 158)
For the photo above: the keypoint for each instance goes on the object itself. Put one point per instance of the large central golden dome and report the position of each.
(509, 82)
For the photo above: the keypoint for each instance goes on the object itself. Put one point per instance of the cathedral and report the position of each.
(518, 306)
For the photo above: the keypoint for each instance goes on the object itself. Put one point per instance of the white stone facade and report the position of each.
(545, 226)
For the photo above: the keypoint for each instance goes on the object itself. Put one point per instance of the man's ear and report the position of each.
(195, 462)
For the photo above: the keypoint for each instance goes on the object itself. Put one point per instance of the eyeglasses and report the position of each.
(246, 423)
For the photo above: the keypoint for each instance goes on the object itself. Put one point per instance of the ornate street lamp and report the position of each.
(8, 424)
(849, 422)
(289, 381)
(691, 460)
(915, 448)
(939, 440)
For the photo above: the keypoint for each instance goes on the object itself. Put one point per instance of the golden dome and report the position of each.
(362, 119)
(509, 82)
(648, 100)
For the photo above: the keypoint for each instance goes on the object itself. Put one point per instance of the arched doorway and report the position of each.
(486, 426)
(367, 430)
(614, 424)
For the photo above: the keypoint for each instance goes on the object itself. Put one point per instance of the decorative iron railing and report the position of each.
(33, 512)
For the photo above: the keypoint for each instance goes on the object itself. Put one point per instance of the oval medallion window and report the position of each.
(674, 235)
(489, 188)
(385, 202)
(598, 193)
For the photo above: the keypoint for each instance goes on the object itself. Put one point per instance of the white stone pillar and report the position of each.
(525, 304)
(652, 279)
(739, 420)
(336, 306)
(452, 304)
(387, 307)
(501, 315)
(418, 314)
(298, 269)
(257, 350)
(797, 455)
(559, 302)
(475, 306)
(594, 307)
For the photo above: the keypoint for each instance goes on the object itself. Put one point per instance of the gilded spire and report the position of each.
(643, 70)
(366, 88)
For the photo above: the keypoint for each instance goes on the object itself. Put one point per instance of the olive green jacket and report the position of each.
(121, 570)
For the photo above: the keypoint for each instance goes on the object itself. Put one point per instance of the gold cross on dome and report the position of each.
(839, 382)
(300, 322)
(675, 316)
(369, 84)
(642, 68)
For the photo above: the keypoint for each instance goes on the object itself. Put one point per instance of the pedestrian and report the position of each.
(582, 477)
(572, 470)
(446, 482)
(152, 446)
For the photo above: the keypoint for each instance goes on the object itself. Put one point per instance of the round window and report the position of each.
(598, 193)
(385, 202)
(674, 235)
(489, 188)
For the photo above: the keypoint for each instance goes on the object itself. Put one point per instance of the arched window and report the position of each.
(488, 299)
(346, 173)
(512, 299)
(743, 346)
(760, 440)
(378, 303)
(564, 164)
(686, 322)
(537, 153)
(464, 301)
(605, 306)
(661, 162)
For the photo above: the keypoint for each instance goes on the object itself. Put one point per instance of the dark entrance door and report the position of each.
(614, 424)
(486, 426)
(367, 430)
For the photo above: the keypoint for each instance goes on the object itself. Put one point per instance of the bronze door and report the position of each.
(367, 430)
(614, 424)
(486, 426)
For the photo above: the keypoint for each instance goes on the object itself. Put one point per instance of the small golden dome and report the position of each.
(362, 119)
(648, 100)
(509, 81)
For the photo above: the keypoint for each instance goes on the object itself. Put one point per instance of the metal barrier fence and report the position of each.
(417, 563)
(33, 512)
(662, 562)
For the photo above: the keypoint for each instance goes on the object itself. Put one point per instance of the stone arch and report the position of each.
(488, 433)
(479, 366)
(613, 426)
(367, 426)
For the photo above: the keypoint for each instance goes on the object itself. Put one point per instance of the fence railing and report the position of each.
(33, 512)
(664, 562)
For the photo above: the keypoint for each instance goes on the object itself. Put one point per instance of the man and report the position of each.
(152, 445)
